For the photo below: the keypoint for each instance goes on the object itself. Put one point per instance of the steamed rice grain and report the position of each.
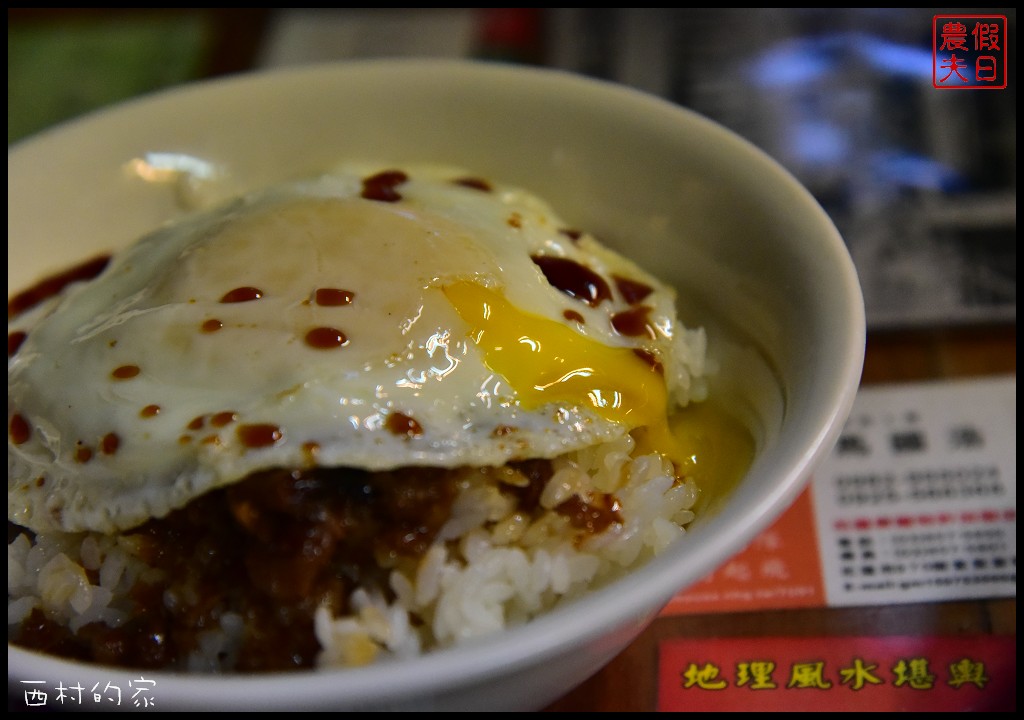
(491, 566)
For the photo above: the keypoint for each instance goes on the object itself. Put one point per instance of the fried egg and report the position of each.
(371, 317)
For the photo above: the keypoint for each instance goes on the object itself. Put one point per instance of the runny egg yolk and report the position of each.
(547, 362)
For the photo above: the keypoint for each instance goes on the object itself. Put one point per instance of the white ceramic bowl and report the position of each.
(754, 257)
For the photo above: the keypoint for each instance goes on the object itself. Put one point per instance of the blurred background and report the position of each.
(921, 182)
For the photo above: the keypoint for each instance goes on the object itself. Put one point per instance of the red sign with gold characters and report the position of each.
(885, 674)
(969, 52)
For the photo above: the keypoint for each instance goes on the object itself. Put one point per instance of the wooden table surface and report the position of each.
(629, 682)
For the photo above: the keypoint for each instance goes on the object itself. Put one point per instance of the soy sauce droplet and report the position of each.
(14, 341)
(381, 187)
(651, 359)
(50, 286)
(223, 418)
(110, 443)
(574, 279)
(125, 372)
(474, 183)
(83, 454)
(259, 435)
(333, 297)
(20, 430)
(632, 291)
(326, 338)
(242, 294)
(401, 424)
(634, 322)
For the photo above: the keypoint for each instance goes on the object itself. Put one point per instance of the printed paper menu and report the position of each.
(917, 502)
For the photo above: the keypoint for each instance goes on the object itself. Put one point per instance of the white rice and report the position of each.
(491, 567)
(76, 579)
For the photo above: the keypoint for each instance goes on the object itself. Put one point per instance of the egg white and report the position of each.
(407, 354)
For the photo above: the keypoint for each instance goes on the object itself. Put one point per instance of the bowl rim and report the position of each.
(587, 617)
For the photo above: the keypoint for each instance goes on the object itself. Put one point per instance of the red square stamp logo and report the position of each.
(969, 52)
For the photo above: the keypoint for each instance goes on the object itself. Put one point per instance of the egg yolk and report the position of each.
(717, 449)
(547, 362)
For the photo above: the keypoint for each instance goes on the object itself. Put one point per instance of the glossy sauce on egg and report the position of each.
(384, 316)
